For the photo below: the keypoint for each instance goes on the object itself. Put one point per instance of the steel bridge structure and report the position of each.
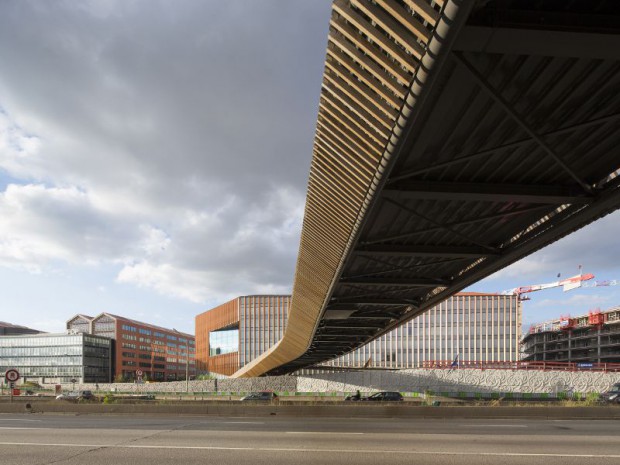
(454, 137)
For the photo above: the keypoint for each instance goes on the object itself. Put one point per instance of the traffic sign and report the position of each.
(139, 372)
(11, 375)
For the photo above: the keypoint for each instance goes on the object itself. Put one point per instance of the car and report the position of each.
(613, 395)
(76, 395)
(71, 396)
(262, 396)
(88, 395)
(384, 396)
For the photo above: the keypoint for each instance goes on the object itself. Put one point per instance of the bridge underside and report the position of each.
(511, 143)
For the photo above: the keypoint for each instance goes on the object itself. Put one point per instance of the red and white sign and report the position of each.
(139, 372)
(11, 375)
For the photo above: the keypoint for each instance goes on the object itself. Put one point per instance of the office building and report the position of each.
(235, 333)
(588, 338)
(58, 358)
(475, 326)
(142, 349)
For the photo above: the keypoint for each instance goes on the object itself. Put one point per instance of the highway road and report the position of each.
(156, 439)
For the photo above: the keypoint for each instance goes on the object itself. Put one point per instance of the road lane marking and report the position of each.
(494, 426)
(318, 432)
(22, 427)
(16, 419)
(243, 422)
(343, 451)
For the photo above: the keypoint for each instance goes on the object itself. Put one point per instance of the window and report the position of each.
(224, 341)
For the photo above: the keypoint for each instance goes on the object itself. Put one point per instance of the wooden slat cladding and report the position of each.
(374, 49)
(219, 317)
(225, 364)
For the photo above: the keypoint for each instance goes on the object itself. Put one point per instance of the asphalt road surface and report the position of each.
(153, 439)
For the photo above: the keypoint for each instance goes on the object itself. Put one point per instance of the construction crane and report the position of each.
(603, 283)
(567, 284)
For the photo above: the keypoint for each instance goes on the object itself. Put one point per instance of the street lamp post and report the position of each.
(187, 367)
(186, 361)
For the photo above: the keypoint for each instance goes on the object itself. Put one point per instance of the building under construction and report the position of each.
(591, 338)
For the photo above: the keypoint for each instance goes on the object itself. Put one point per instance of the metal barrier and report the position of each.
(521, 365)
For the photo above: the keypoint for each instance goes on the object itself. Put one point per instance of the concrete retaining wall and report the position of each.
(465, 380)
(439, 381)
(342, 411)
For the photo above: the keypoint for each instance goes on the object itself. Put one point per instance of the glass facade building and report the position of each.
(262, 320)
(58, 358)
(238, 331)
(475, 326)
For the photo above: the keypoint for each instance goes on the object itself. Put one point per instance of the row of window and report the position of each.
(48, 341)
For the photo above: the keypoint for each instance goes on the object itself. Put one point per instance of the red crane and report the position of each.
(568, 284)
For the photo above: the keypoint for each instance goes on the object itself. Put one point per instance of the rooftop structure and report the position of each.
(11, 329)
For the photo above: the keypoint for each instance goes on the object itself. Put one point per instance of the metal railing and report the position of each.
(523, 365)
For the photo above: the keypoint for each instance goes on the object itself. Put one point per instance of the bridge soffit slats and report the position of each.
(423, 181)
(373, 51)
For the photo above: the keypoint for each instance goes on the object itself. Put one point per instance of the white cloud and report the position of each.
(593, 247)
(17, 147)
(579, 300)
(170, 141)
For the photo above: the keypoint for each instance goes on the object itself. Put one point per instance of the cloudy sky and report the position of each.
(154, 158)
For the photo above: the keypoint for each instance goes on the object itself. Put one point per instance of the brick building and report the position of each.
(161, 354)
